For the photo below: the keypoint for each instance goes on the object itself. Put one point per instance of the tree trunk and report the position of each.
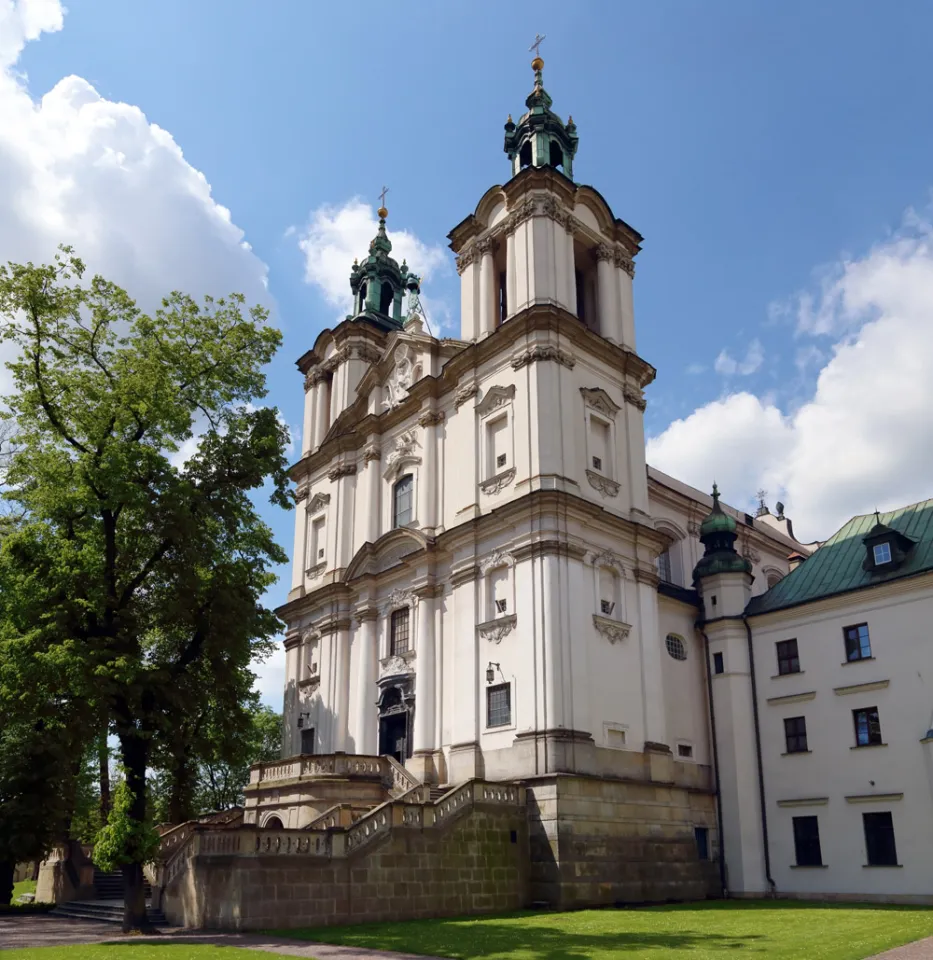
(181, 800)
(135, 752)
(103, 757)
(6, 881)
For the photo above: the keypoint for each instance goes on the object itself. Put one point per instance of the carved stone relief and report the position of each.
(613, 630)
(607, 487)
(397, 599)
(318, 502)
(600, 401)
(497, 483)
(634, 396)
(499, 558)
(541, 353)
(403, 446)
(465, 393)
(494, 630)
(342, 470)
(494, 398)
(400, 379)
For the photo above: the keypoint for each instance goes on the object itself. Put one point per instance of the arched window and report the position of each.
(524, 155)
(556, 158)
(676, 646)
(385, 300)
(402, 501)
(664, 567)
(362, 296)
(274, 823)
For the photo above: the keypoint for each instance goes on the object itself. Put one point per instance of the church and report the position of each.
(498, 609)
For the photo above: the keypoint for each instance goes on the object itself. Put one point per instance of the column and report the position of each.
(635, 447)
(649, 631)
(366, 721)
(424, 676)
(299, 557)
(487, 288)
(336, 391)
(321, 411)
(607, 294)
(511, 291)
(551, 665)
(427, 479)
(626, 273)
(307, 426)
(341, 685)
(373, 463)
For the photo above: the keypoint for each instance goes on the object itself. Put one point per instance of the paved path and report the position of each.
(42, 930)
(918, 950)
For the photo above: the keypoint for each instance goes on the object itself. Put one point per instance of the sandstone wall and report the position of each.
(478, 864)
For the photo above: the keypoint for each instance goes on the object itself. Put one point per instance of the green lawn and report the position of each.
(24, 886)
(701, 931)
(137, 951)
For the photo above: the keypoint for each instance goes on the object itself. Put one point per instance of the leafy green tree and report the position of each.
(124, 840)
(136, 572)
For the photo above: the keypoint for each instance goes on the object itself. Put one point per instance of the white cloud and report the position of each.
(335, 235)
(695, 368)
(728, 366)
(77, 168)
(865, 437)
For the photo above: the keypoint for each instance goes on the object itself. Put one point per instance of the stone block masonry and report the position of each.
(477, 863)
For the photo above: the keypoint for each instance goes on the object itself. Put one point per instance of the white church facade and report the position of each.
(490, 583)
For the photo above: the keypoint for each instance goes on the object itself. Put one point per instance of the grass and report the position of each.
(129, 950)
(781, 930)
(24, 886)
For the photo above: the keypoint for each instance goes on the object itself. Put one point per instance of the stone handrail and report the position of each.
(399, 779)
(317, 765)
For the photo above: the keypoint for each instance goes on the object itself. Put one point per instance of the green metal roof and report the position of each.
(837, 566)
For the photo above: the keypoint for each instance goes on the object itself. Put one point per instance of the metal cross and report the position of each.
(382, 196)
(539, 39)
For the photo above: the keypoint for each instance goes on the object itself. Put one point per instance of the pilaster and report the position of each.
(366, 722)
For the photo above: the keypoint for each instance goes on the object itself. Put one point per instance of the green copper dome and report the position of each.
(718, 536)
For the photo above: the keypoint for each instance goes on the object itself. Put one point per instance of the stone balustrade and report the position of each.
(331, 765)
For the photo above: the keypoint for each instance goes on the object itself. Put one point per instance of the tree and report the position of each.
(136, 572)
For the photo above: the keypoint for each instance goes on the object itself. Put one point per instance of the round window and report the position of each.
(676, 647)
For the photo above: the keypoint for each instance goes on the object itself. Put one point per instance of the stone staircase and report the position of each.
(108, 907)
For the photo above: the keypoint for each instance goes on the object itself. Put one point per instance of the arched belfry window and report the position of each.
(556, 158)
(402, 502)
(362, 296)
(524, 155)
(385, 300)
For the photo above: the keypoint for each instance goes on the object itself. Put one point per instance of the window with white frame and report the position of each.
(499, 705)
(403, 501)
(497, 444)
(599, 445)
(670, 565)
(498, 593)
(609, 593)
(317, 546)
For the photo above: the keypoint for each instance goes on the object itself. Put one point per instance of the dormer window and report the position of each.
(882, 553)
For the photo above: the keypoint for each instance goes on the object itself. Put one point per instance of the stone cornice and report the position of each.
(792, 698)
(861, 687)
(363, 614)
(647, 575)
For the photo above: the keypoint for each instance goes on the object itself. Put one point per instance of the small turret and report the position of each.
(718, 536)
(540, 138)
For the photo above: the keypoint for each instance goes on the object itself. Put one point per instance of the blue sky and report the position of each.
(776, 157)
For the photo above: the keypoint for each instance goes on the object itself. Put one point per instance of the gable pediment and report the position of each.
(387, 552)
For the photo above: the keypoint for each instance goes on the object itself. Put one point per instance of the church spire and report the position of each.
(540, 138)
(379, 283)
(718, 535)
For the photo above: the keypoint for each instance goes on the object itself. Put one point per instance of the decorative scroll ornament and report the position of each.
(607, 559)
(750, 553)
(607, 487)
(465, 393)
(615, 631)
(605, 252)
(600, 401)
(494, 398)
(494, 630)
(541, 353)
(431, 418)
(395, 667)
(404, 445)
(497, 483)
(625, 262)
(302, 490)
(499, 558)
(343, 470)
(396, 387)
(318, 502)
(315, 572)
(465, 259)
(634, 396)
(372, 453)
(398, 599)
(367, 353)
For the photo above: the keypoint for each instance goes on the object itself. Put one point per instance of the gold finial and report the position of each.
(537, 64)
(510, 119)
(356, 262)
(569, 119)
(382, 213)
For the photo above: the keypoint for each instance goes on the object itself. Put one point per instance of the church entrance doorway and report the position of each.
(395, 724)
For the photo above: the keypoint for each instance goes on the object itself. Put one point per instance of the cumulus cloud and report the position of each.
(80, 169)
(864, 439)
(335, 235)
(728, 366)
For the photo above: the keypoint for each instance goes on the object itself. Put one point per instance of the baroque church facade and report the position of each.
(491, 586)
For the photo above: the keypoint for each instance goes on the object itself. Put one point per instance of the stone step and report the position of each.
(104, 911)
(109, 886)
(438, 791)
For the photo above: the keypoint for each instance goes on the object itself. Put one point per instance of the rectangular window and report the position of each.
(664, 567)
(882, 553)
(718, 666)
(599, 442)
(606, 607)
(858, 644)
(684, 750)
(307, 740)
(867, 727)
(701, 834)
(497, 434)
(400, 633)
(403, 501)
(795, 734)
(316, 553)
(499, 705)
(787, 657)
(879, 839)
(502, 606)
(807, 842)
(615, 738)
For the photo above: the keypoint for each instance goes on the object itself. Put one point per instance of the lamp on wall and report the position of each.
(491, 672)
(301, 719)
